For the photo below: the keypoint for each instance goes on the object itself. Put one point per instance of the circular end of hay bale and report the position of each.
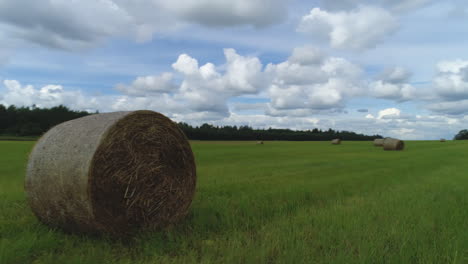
(393, 144)
(336, 141)
(378, 142)
(137, 171)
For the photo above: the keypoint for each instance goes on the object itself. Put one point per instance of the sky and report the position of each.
(396, 68)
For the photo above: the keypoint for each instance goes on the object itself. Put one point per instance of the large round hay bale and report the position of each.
(378, 142)
(393, 144)
(442, 140)
(112, 173)
(336, 141)
(259, 142)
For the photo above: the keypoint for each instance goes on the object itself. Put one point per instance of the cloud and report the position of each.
(256, 107)
(216, 13)
(451, 81)
(407, 5)
(352, 30)
(453, 66)
(243, 75)
(450, 86)
(404, 126)
(309, 89)
(389, 122)
(147, 85)
(389, 113)
(64, 24)
(46, 96)
(196, 91)
(163, 103)
(71, 25)
(297, 97)
(306, 55)
(450, 107)
(289, 73)
(394, 123)
(265, 121)
(307, 82)
(395, 75)
(403, 132)
(319, 84)
(397, 92)
(204, 88)
(53, 95)
(394, 5)
(392, 84)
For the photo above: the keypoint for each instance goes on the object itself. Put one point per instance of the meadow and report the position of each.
(282, 202)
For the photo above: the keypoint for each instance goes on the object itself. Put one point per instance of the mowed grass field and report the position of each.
(282, 202)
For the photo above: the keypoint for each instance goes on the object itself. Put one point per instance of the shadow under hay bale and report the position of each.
(378, 142)
(336, 141)
(393, 144)
(112, 173)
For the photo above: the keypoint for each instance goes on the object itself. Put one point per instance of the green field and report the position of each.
(282, 202)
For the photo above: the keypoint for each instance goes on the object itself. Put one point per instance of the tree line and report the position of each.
(210, 132)
(34, 121)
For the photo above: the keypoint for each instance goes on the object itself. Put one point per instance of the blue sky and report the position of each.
(397, 68)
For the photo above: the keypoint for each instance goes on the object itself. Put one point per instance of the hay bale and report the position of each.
(442, 140)
(378, 142)
(393, 144)
(336, 141)
(259, 142)
(112, 173)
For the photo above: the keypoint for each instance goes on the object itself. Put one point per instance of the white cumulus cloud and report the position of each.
(358, 29)
(308, 81)
(146, 85)
(316, 84)
(205, 88)
(389, 113)
(46, 96)
(393, 84)
(451, 81)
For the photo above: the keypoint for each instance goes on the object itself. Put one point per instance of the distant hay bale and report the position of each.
(393, 144)
(112, 173)
(442, 140)
(378, 142)
(336, 141)
(259, 142)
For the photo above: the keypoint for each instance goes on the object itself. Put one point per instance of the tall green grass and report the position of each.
(282, 202)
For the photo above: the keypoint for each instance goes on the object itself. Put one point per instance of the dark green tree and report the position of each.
(463, 134)
(33, 121)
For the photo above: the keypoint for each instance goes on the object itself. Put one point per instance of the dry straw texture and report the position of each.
(336, 141)
(112, 173)
(393, 144)
(378, 142)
